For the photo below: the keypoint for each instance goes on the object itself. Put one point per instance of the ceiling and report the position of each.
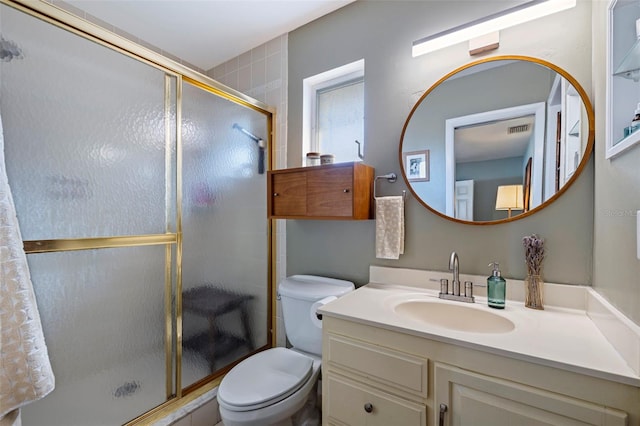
(207, 33)
(493, 140)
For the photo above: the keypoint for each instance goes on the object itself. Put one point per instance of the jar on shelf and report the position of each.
(327, 158)
(313, 159)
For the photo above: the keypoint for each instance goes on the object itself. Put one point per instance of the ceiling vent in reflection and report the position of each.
(517, 129)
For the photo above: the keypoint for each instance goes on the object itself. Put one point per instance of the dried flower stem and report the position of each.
(534, 255)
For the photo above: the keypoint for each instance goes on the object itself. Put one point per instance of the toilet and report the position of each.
(271, 387)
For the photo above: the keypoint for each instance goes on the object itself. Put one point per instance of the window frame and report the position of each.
(312, 87)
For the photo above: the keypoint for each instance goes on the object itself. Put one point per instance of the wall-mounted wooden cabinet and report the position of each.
(333, 191)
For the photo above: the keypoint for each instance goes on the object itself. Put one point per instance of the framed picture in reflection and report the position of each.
(416, 165)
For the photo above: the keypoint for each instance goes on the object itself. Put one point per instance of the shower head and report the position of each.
(9, 50)
(257, 140)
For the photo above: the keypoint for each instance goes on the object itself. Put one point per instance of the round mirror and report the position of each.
(497, 140)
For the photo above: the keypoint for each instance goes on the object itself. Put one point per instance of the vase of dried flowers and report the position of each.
(533, 284)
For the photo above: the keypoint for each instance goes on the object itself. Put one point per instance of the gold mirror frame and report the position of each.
(583, 162)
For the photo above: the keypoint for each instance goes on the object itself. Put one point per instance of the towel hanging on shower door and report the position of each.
(25, 369)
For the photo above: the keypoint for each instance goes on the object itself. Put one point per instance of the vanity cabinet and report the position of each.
(373, 375)
(475, 398)
(333, 191)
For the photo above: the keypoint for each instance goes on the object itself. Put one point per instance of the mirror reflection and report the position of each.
(495, 139)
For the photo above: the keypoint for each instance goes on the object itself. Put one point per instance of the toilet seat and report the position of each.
(264, 379)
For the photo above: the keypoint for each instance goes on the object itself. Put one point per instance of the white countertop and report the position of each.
(556, 337)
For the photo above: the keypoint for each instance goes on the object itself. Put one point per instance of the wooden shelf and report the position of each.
(340, 191)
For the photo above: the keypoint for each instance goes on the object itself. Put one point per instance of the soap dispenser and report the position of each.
(496, 288)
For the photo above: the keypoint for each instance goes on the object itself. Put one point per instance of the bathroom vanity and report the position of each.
(387, 361)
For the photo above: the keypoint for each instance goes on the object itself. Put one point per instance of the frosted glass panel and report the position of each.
(103, 318)
(84, 131)
(225, 244)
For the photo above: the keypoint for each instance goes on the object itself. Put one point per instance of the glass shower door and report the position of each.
(141, 196)
(90, 138)
(225, 233)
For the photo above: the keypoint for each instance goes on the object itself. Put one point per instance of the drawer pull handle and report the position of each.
(368, 407)
(346, 190)
(443, 409)
(275, 194)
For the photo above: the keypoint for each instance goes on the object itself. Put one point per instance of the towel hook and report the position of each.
(391, 178)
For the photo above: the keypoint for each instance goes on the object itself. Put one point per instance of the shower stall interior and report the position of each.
(141, 197)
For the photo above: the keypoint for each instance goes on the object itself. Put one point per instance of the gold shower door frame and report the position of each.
(176, 396)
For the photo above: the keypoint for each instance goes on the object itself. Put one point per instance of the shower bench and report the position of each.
(211, 303)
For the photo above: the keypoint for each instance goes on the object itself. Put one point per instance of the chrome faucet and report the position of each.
(467, 294)
(454, 265)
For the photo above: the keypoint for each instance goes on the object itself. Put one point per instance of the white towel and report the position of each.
(25, 370)
(389, 227)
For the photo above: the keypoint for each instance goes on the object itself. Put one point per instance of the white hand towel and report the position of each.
(25, 370)
(389, 227)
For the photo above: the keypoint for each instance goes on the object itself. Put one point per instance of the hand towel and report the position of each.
(25, 370)
(389, 227)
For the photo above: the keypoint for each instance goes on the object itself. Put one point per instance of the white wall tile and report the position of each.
(258, 53)
(244, 78)
(273, 68)
(218, 72)
(231, 65)
(273, 46)
(244, 59)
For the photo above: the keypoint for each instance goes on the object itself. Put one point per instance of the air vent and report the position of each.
(518, 129)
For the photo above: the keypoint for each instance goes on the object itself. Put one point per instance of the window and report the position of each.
(333, 112)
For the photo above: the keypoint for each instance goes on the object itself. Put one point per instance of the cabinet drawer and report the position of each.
(354, 404)
(391, 368)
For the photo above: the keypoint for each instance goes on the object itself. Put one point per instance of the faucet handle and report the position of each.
(444, 286)
(468, 289)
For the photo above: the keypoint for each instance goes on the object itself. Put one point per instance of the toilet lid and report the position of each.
(264, 379)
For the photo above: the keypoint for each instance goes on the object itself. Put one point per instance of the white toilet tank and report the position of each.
(298, 294)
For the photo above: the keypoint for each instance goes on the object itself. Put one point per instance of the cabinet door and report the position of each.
(475, 399)
(330, 192)
(289, 194)
(355, 404)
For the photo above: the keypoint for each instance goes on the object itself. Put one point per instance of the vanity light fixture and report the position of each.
(522, 13)
(509, 197)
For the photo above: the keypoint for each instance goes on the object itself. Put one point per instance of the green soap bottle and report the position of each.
(496, 288)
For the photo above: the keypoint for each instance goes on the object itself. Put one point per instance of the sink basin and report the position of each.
(454, 317)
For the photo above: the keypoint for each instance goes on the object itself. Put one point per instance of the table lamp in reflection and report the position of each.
(509, 198)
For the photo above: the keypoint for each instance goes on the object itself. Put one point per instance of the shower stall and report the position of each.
(141, 196)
